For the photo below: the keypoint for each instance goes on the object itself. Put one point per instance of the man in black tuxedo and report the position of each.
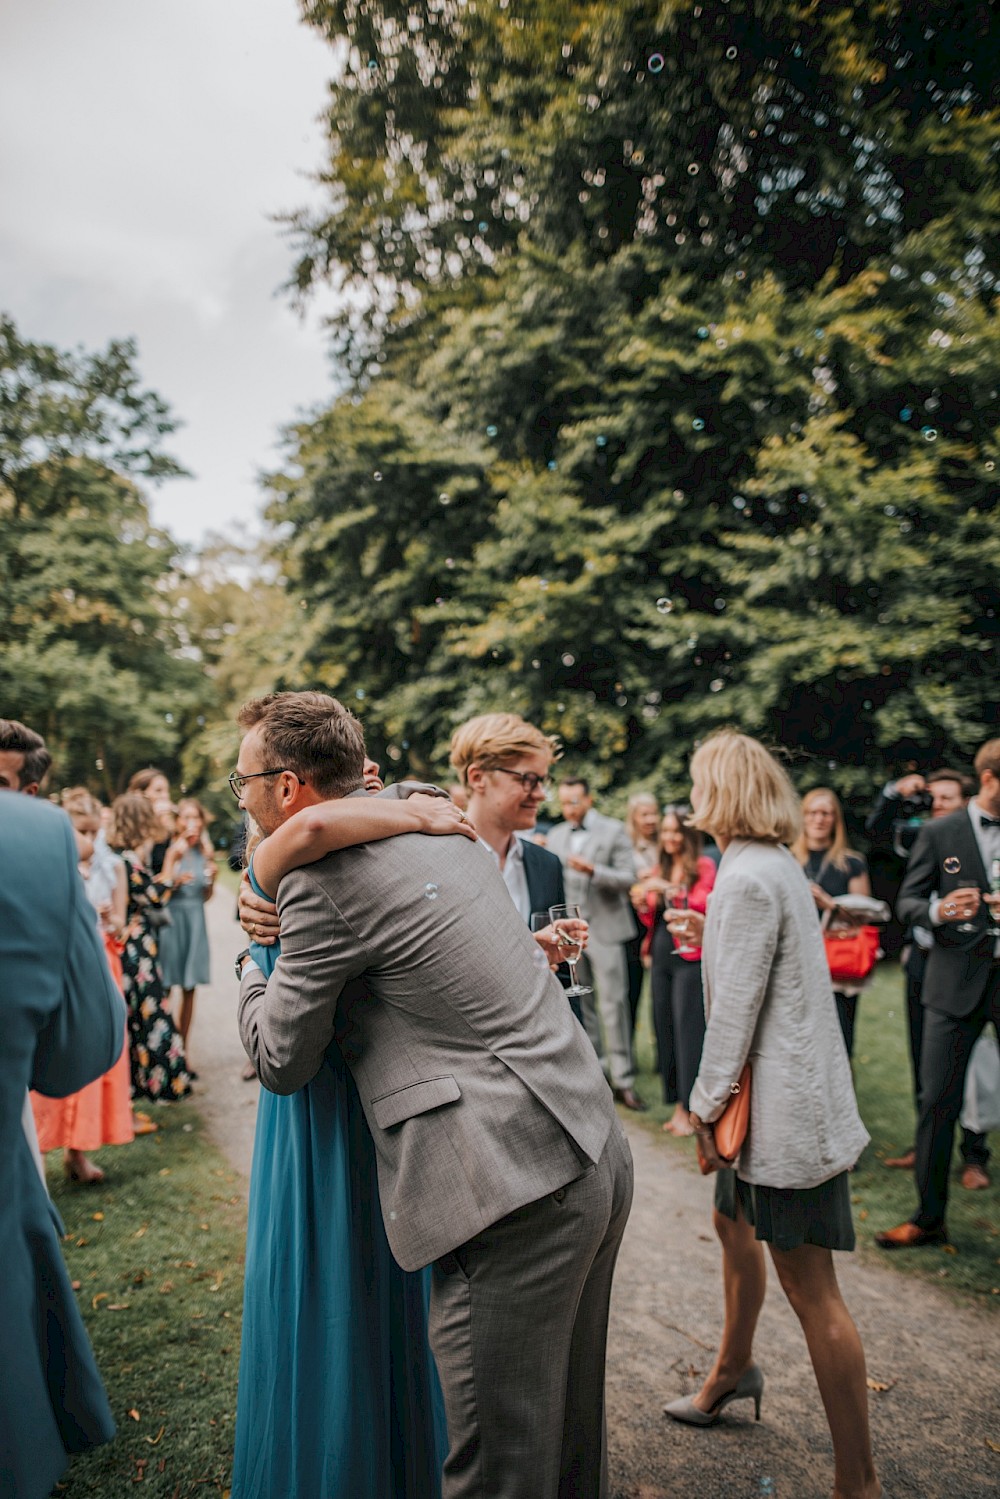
(947, 890)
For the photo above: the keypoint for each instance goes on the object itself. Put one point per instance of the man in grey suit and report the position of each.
(500, 1159)
(599, 869)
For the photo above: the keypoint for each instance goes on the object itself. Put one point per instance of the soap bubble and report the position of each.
(600, 442)
(444, 499)
(929, 433)
(377, 477)
(730, 53)
(491, 430)
(693, 169)
(655, 62)
(906, 413)
(717, 685)
(952, 865)
(568, 660)
(664, 605)
(430, 892)
(698, 424)
(702, 332)
(739, 503)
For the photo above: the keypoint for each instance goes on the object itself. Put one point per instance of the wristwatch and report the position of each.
(241, 958)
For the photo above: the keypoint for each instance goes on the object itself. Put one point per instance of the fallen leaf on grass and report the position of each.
(881, 1385)
(863, 1214)
(140, 1231)
(153, 1440)
(164, 1170)
(118, 1306)
(993, 1446)
(166, 1287)
(101, 1296)
(80, 1243)
(134, 1414)
(76, 1284)
(97, 1217)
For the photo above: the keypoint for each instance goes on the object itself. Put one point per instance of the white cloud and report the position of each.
(149, 148)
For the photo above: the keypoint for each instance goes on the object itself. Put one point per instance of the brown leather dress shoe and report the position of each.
(975, 1178)
(910, 1236)
(905, 1162)
(630, 1098)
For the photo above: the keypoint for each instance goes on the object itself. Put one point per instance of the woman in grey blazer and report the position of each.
(768, 1000)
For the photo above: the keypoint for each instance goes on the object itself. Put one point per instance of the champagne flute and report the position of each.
(559, 916)
(993, 901)
(952, 865)
(677, 897)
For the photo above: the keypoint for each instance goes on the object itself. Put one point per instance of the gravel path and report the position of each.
(936, 1429)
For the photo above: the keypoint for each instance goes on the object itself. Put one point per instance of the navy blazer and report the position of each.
(544, 874)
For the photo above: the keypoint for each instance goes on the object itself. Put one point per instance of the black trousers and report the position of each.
(944, 1061)
(973, 1146)
(678, 1019)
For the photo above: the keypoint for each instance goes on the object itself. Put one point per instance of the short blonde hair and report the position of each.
(77, 802)
(636, 800)
(744, 792)
(492, 739)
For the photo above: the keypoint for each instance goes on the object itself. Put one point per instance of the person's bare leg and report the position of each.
(185, 1015)
(80, 1169)
(744, 1281)
(810, 1282)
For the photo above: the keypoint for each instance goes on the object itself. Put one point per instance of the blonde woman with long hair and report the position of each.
(833, 870)
(767, 1001)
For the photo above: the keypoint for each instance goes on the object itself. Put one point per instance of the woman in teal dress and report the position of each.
(338, 1392)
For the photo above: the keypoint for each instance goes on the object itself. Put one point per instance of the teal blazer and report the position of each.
(62, 1024)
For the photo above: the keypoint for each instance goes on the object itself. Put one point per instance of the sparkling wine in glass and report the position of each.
(677, 900)
(571, 947)
(993, 930)
(953, 865)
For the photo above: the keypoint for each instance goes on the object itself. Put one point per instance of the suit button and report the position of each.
(559, 1194)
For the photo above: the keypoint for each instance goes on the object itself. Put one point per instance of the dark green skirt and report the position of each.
(789, 1216)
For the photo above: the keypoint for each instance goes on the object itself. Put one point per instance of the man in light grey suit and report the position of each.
(599, 868)
(500, 1159)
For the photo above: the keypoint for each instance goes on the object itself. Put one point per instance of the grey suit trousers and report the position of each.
(604, 966)
(518, 1325)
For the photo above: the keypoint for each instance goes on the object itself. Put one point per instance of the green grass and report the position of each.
(158, 1251)
(970, 1265)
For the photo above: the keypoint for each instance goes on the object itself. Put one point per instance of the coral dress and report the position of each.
(101, 1113)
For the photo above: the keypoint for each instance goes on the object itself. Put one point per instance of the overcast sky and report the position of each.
(144, 148)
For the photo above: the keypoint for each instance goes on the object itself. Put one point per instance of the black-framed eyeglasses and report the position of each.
(237, 782)
(529, 781)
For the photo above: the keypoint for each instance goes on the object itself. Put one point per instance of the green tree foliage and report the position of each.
(89, 654)
(691, 310)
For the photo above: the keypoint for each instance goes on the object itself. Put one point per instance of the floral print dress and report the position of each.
(159, 1069)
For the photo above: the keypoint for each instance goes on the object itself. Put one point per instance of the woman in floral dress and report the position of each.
(159, 1069)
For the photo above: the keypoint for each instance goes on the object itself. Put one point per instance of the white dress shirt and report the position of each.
(513, 875)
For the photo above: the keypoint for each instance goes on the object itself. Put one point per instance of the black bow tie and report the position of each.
(989, 822)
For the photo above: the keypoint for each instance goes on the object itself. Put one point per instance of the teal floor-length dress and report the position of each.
(338, 1393)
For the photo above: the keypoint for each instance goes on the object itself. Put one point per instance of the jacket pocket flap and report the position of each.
(415, 1098)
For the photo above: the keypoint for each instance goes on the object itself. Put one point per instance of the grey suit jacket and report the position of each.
(608, 847)
(768, 997)
(479, 1086)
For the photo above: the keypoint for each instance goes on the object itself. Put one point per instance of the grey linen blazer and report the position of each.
(768, 997)
(608, 847)
(480, 1088)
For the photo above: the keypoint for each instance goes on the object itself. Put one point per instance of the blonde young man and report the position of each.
(502, 763)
